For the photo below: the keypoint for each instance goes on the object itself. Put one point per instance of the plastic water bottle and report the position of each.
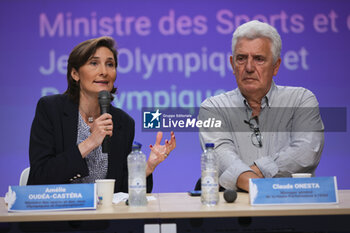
(209, 180)
(137, 176)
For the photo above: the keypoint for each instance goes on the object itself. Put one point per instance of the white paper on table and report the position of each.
(118, 197)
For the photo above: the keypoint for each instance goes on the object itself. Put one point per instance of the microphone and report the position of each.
(104, 99)
(230, 195)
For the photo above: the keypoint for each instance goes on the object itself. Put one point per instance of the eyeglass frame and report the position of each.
(256, 132)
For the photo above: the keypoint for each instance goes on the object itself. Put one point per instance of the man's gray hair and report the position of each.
(256, 29)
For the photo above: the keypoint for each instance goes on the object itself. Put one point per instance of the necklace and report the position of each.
(90, 119)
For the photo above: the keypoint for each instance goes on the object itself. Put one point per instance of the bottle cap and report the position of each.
(209, 145)
(136, 145)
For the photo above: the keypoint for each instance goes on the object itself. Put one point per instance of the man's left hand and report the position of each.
(257, 171)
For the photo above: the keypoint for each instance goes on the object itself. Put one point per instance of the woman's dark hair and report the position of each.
(80, 55)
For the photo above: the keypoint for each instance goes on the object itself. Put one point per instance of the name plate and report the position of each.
(279, 191)
(51, 197)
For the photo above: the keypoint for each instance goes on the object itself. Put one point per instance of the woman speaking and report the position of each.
(68, 129)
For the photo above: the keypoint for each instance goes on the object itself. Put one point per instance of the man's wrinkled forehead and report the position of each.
(259, 45)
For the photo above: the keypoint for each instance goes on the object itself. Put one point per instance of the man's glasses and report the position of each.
(256, 136)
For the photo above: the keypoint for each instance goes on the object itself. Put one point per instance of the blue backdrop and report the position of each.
(171, 53)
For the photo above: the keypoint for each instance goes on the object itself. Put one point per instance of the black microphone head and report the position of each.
(104, 98)
(230, 195)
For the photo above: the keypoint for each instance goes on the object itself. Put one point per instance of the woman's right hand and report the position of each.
(102, 126)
